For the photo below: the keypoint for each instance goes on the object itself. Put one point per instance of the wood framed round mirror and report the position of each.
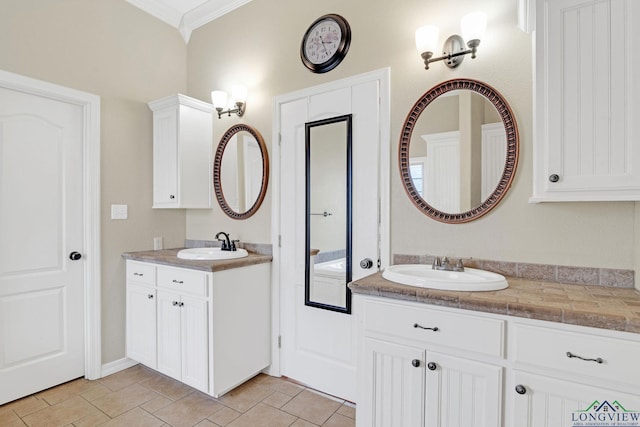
(458, 151)
(240, 171)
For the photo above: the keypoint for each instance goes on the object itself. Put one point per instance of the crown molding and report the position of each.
(192, 19)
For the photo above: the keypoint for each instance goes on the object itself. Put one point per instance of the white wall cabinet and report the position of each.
(463, 375)
(182, 147)
(587, 100)
(208, 330)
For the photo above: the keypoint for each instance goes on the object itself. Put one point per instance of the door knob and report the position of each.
(75, 256)
(366, 263)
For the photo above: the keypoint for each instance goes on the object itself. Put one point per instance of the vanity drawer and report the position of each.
(548, 348)
(472, 333)
(183, 280)
(141, 272)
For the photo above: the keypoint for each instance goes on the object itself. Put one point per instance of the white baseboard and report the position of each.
(117, 366)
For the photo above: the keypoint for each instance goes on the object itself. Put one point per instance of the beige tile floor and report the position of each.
(140, 397)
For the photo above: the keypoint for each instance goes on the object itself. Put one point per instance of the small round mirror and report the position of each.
(240, 171)
(458, 151)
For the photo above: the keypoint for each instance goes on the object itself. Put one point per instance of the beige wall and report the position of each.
(258, 45)
(128, 58)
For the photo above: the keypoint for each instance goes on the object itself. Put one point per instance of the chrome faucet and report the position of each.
(445, 264)
(227, 244)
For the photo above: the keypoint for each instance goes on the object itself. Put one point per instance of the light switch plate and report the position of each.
(119, 211)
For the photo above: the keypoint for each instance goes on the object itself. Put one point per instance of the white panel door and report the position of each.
(141, 324)
(195, 342)
(169, 341)
(41, 223)
(462, 393)
(319, 346)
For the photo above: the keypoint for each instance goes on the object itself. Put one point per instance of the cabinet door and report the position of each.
(393, 390)
(462, 393)
(141, 324)
(165, 158)
(586, 104)
(169, 340)
(550, 402)
(195, 349)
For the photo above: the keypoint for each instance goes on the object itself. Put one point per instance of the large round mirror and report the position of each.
(240, 171)
(458, 151)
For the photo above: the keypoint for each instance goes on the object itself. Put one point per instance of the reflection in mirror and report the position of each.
(328, 213)
(458, 150)
(240, 171)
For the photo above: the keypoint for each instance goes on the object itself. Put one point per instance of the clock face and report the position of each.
(325, 43)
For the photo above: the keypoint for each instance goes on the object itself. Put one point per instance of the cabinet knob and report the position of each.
(520, 389)
(554, 177)
(432, 366)
(75, 256)
(150, 296)
(174, 303)
(171, 196)
(415, 363)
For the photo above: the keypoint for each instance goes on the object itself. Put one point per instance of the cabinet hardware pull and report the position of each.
(554, 177)
(432, 366)
(138, 274)
(597, 359)
(434, 329)
(174, 303)
(181, 304)
(520, 389)
(415, 363)
(171, 196)
(179, 282)
(150, 296)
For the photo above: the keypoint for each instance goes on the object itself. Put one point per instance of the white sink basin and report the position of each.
(423, 276)
(211, 254)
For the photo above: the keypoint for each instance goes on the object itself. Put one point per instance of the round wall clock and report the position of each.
(325, 43)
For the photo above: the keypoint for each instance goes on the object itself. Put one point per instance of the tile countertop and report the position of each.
(585, 305)
(169, 257)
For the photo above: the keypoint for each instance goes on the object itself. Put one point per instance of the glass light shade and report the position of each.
(219, 99)
(473, 26)
(239, 93)
(427, 39)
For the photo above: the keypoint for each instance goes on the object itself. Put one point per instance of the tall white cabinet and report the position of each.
(210, 330)
(182, 147)
(587, 99)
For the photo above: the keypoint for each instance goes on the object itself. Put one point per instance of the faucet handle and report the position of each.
(437, 262)
(233, 245)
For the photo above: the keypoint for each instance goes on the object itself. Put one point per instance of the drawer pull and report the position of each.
(597, 359)
(138, 274)
(179, 282)
(434, 329)
(432, 366)
(520, 389)
(415, 363)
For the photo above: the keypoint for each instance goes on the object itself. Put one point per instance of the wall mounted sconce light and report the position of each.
(473, 27)
(239, 99)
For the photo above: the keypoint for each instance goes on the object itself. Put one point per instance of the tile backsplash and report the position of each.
(545, 272)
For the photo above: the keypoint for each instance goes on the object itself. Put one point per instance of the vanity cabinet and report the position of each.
(415, 359)
(586, 100)
(210, 330)
(455, 368)
(182, 144)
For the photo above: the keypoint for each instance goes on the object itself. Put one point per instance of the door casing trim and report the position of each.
(90, 104)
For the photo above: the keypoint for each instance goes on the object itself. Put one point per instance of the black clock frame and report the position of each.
(343, 47)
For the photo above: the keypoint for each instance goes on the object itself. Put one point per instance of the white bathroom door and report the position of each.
(318, 346)
(41, 225)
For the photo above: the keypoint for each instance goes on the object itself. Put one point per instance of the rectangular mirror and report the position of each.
(328, 213)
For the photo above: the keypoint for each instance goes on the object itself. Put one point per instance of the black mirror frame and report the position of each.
(349, 231)
(511, 129)
(217, 168)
